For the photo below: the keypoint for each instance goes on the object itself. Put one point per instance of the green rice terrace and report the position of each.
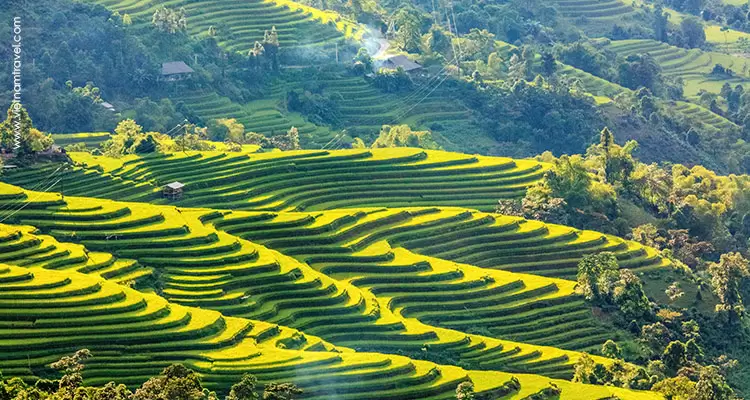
(693, 66)
(363, 109)
(596, 17)
(349, 273)
(239, 25)
(309, 180)
(696, 76)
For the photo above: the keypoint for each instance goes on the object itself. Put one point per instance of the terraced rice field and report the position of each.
(261, 116)
(218, 271)
(310, 180)
(605, 91)
(363, 109)
(200, 266)
(596, 18)
(693, 66)
(394, 254)
(593, 9)
(240, 24)
(91, 140)
(134, 335)
(334, 298)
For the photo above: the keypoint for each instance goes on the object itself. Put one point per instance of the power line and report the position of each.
(29, 202)
(11, 205)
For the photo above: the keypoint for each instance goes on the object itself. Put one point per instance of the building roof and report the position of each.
(401, 61)
(108, 106)
(175, 185)
(175, 68)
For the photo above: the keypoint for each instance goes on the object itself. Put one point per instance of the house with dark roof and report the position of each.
(400, 61)
(175, 71)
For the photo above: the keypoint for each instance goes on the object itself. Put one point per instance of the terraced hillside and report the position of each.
(315, 252)
(693, 66)
(383, 251)
(79, 181)
(240, 24)
(605, 91)
(362, 109)
(260, 116)
(607, 9)
(134, 335)
(597, 17)
(198, 266)
(91, 140)
(312, 180)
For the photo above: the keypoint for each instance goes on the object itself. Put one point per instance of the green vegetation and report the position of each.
(200, 248)
(313, 180)
(315, 200)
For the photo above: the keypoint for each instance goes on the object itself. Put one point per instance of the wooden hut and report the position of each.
(173, 191)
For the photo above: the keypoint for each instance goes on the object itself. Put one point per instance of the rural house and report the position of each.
(175, 71)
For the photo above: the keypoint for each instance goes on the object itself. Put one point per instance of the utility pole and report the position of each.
(435, 14)
(183, 137)
(62, 181)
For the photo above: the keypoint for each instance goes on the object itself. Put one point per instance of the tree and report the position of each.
(229, 128)
(364, 57)
(255, 55)
(169, 20)
(693, 32)
(583, 369)
(465, 391)
(611, 349)
(293, 135)
(244, 389)
(176, 382)
(596, 272)
(549, 65)
(128, 134)
(693, 351)
(629, 297)
(71, 367)
(584, 56)
(640, 70)
(516, 68)
(655, 336)
(281, 391)
(439, 41)
(674, 356)
(128, 128)
(660, 23)
(408, 21)
(72, 364)
(678, 388)
(726, 278)
(674, 292)
(712, 385)
(146, 145)
(18, 135)
(403, 136)
(271, 46)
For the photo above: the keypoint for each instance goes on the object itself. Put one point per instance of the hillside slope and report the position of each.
(311, 180)
(133, 336)
(198, 266)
